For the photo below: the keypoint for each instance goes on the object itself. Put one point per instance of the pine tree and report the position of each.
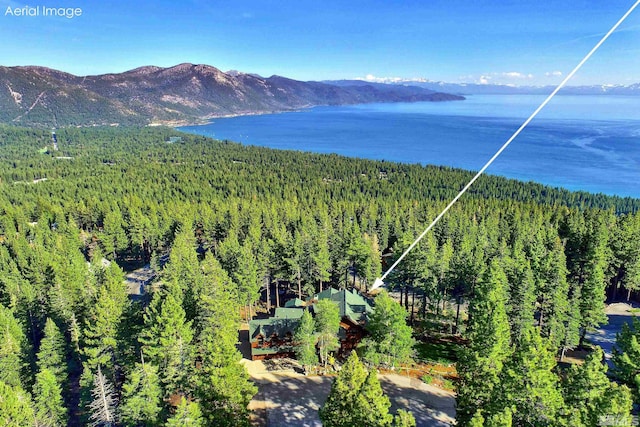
(587, 390)
(141, 397)
(49, 406)
(553, 292)
(104, 404)
(481, 363)
(187, 414)
(183, 268)
(327, 326)
(587, 258)
(404, 419)
(305, 340)
(102, 327)
(626, 354)
(51, 355)
(15, 406)
(322, 257)
(530, 384)
(167, 338)
(114, 238)
(372, 405)
(12, 341)
(522, 295)
(223, 384)
(248, 277)
(357, 399)
(339, 408)
(391, 338)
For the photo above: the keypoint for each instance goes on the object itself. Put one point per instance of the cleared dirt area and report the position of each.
(291, 399)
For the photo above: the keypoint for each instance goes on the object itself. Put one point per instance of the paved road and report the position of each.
(605, 337)
(295, 400)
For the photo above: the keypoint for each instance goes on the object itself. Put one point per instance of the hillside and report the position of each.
(186, 93)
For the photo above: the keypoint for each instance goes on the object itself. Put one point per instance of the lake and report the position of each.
(589, 143)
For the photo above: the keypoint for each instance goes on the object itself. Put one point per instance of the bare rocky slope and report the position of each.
(185, 93)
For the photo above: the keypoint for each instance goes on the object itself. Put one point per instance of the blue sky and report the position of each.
(506, 41)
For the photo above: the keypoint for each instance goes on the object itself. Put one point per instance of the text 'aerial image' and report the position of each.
(320, 213)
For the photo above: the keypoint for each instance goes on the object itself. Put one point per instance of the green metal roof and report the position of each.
(284, 321)
(351, 303)
(294, 303)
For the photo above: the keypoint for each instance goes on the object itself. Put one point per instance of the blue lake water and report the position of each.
(589, 143)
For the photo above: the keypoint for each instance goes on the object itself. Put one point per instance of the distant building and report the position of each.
(174, 139)
(273, 337)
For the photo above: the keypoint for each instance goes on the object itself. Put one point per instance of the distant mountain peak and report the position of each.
(147, 69)
(181, 94)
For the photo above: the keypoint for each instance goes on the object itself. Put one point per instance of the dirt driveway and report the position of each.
(291, 399)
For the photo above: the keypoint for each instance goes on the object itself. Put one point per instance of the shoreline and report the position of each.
(209, 119)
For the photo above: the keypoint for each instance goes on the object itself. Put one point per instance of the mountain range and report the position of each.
(496, 89)
(183, 94)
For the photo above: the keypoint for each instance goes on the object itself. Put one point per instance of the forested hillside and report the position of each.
(77, 348)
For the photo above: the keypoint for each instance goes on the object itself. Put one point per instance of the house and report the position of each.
(354, 311)
(273, 337)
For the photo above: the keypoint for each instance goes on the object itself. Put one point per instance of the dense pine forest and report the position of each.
(519, 271)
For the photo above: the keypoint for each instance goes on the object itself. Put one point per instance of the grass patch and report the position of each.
(438, 351)
(448, 385)
(427, 379)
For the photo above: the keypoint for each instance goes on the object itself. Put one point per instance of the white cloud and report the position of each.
(516, 75)
(553, 73)
(484, 80)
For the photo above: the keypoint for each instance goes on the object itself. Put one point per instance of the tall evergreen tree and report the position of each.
(103, 324)
(356, 399)
(188, 414)
(51, 355)
(372, 406)
(183, 268)
(404, 419)
(15, 406)
(481, 364)
(12, 341)
(141, 397)
(223, 383)
(339, 408)
(49, 406)
(588, 391)
(522, 292)
(530, 385)
(626, 354)
(167, 338)
(322, 257)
